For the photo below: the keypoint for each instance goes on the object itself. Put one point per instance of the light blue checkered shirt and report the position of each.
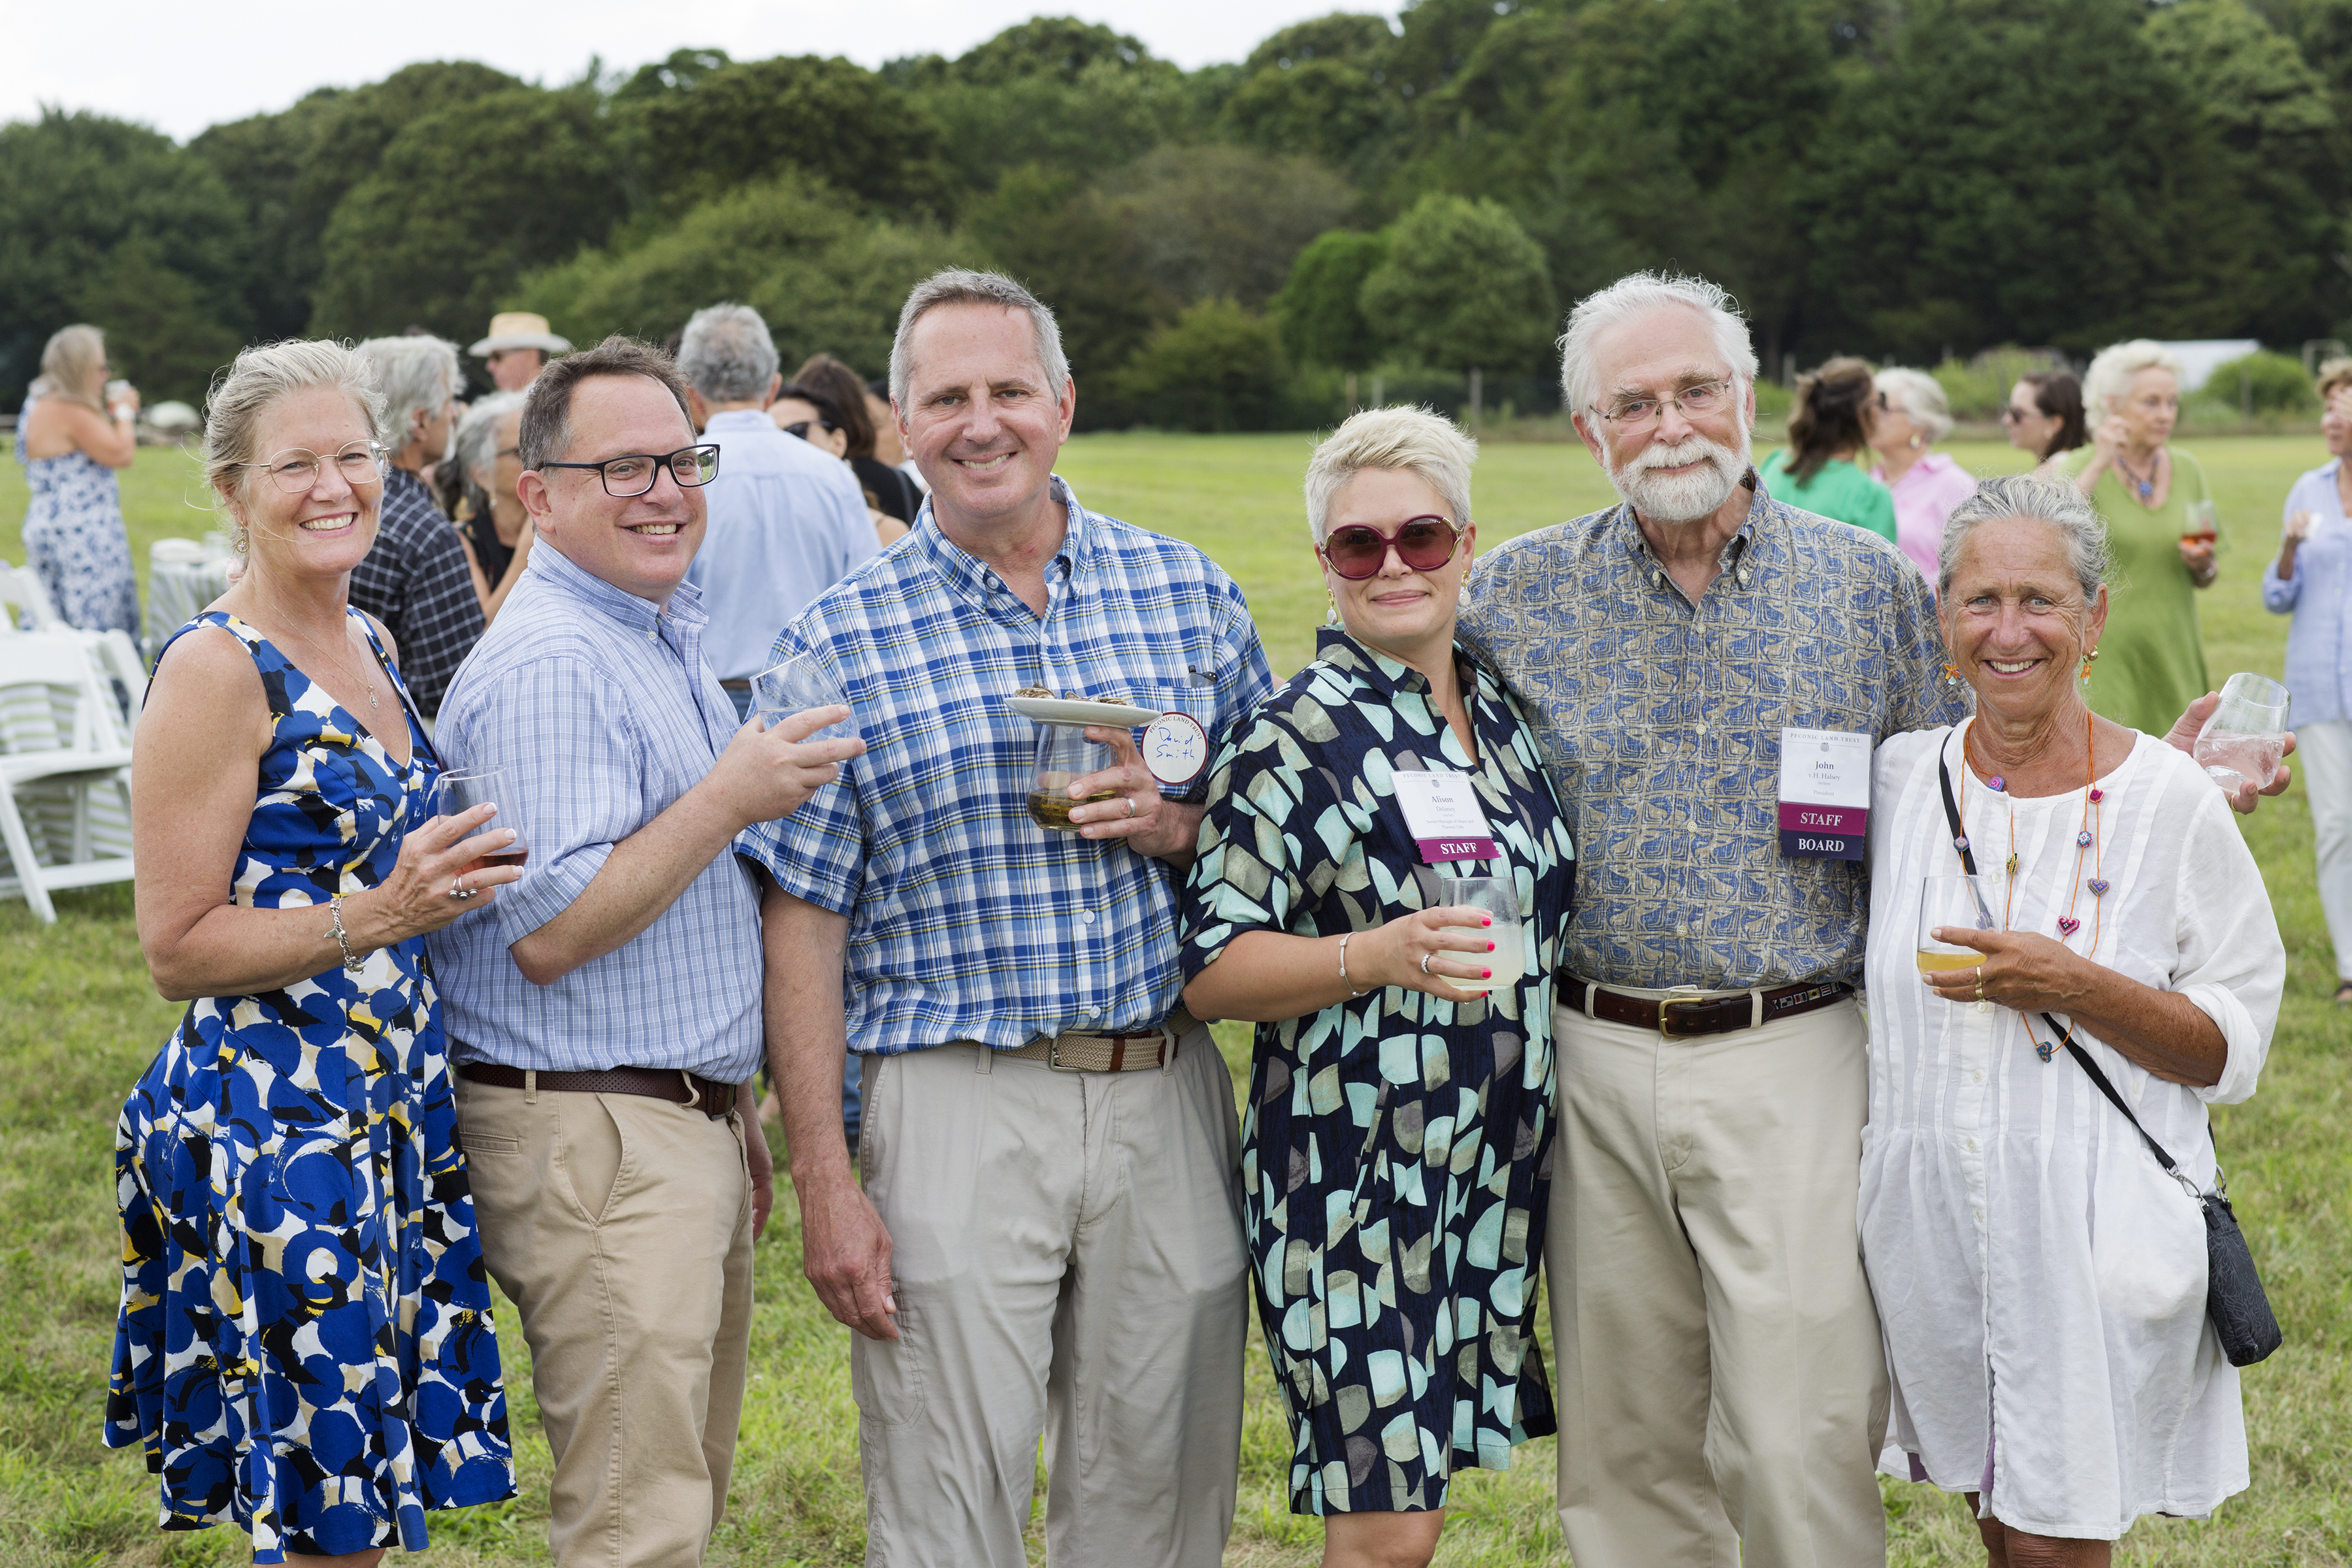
(967, 920)
(605, 711)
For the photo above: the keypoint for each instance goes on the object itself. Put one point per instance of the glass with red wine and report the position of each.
(454, 793)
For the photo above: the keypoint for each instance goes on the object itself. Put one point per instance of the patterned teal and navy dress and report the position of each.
(1396, 1151)
(305, 1344)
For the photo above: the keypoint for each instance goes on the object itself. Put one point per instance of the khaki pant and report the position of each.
(620, 1228)
(1067, 1259)
(1722, 1388)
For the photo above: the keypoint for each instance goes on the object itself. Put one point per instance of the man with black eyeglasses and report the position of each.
(604, 1014)
(787, 522)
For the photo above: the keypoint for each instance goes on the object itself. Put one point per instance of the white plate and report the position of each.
(1061, 710)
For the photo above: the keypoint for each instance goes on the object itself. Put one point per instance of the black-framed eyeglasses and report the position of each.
(634, 475)
(296, 469)
(800, 427)
(1357, 550)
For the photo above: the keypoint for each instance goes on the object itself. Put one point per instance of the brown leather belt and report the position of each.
(696, 1092)
(1681, 1020)
(1075, 1052)
(736, 685)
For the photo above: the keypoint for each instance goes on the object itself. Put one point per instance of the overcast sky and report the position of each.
(182, 66)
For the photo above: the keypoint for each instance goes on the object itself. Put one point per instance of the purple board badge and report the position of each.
(1823, 832)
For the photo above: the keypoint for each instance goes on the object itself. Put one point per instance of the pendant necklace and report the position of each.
(367, 686)
(2146, 487)
(2089, 852)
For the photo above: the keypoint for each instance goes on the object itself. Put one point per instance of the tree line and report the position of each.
(1232, 247)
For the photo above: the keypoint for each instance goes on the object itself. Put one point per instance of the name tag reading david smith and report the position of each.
(1824, 793)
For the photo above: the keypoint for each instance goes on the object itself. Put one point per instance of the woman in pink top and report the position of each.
(1912, 416)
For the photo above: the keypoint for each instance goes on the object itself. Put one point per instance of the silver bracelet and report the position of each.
(1343, 967)
(351, 960)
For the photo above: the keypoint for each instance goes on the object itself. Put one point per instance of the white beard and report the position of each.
(1683, 497)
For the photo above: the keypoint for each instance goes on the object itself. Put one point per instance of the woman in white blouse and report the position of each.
(2041, 1280)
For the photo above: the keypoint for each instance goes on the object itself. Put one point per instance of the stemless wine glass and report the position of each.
(454, 793)
(795, 686)
(2201, 524)
(1492, 896)
(1955, 901)
(1063, 753)
(2243, 742)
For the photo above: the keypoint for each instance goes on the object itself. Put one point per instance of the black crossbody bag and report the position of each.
(2240, 1311)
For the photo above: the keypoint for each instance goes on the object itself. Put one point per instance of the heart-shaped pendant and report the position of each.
(2099, 886)
(2097, 795)
(2068, 925)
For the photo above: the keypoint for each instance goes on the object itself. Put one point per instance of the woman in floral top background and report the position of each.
(1396, 1149)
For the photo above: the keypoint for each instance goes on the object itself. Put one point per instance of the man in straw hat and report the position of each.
(517, 348)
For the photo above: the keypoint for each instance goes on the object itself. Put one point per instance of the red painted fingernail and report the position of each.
(1490, 947)
(1489, 921)
(1485, 974)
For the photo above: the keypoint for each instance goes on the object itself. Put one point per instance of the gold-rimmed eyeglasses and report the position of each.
(296, 469)
(632, 476)
(1700, 402)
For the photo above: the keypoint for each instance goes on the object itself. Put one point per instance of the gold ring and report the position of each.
(1980, 996)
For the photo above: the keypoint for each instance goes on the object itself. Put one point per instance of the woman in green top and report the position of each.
(2161, 526)
(1815, 471)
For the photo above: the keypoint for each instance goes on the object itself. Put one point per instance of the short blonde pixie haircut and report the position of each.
(2111, 373)
(1413, 439)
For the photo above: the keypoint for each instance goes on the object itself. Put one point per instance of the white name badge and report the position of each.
(1824, 793)
(1175, 748)
(1442, 814)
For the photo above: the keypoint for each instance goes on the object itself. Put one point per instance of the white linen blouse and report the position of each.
(2041, 1281)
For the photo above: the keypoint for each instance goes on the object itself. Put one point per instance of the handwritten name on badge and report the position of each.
(1175, 748)
(1824, 793)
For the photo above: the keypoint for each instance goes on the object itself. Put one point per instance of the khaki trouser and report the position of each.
(1721, 1384)
(620, 1228)
(1068, 1257)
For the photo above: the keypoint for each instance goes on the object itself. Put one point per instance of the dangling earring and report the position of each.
(1915, 441)
(1331, 609)
(2088, 660)
(1951, 673)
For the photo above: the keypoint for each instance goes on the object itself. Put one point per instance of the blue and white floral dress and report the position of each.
(305, 1344)
(1396, 1149)
(74, 541)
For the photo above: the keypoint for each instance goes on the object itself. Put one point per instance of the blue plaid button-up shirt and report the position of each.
(603, 712)
(967, 920)
(1661, 723)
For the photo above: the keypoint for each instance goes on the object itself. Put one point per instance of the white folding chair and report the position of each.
(21, 594)
(59, 740)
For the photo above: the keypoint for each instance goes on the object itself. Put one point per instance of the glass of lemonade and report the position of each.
(455, 793)
(1952, 900)
(1494, 897)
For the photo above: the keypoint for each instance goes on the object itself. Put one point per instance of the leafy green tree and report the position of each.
(1217, 221)
(1058, 47)
(1107, 114)
(1321, 308)
(289, 170)
(2025, 170)
(2263, 382)
(702, 125)
(160, 332)
(825, 275)
(1216, 367)
(468, 200)
(87, 205)
(1318, 87)
(1464, 289)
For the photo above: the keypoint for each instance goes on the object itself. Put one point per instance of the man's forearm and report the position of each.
(644, 876)
(808, 1039)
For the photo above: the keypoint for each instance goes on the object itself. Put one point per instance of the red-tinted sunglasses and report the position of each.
(1358, 551)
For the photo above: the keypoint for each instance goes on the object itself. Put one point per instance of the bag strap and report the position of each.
(2065, 1035)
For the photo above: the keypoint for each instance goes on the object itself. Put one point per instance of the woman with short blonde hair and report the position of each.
(1911, 416)
(74, 433)
(2161, 525)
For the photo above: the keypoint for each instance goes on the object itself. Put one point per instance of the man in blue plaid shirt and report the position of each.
(1048, 1233)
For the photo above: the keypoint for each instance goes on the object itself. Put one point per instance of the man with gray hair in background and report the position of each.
(1047, 1238)
(414, 579)
(1721, 1384)
(787, 522)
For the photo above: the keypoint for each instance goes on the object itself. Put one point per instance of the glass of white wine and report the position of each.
(1955, 902)
(2245, 740)
(1494, 897)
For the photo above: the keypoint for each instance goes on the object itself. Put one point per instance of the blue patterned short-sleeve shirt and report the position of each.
(1661, 724)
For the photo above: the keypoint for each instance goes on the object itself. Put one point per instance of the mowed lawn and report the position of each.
(78, 1020)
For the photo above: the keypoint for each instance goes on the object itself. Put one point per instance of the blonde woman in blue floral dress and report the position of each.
(305, 1346)
(1396, 1149)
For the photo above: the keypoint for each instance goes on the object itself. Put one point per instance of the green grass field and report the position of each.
(78, 1020)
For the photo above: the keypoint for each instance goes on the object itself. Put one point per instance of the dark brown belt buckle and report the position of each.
(1672, 1000)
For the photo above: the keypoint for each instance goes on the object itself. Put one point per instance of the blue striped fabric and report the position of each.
(606, 712)
(967, 920)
